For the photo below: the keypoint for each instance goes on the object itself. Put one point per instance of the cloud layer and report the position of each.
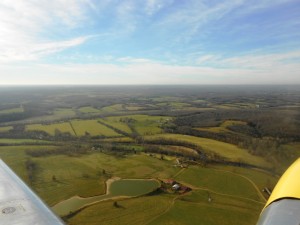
(149, 42)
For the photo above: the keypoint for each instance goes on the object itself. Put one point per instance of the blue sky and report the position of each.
(149, 42)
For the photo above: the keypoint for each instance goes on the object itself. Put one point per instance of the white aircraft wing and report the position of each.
(19, 205)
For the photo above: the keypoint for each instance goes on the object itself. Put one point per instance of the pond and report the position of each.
(117, 188)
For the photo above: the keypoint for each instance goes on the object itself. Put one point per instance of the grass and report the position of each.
(80, 175)
(177, 105)
(15, 157)
(260, 178)
(222, 127)
(219, 181)
(58, 114)
(148, 125)
(119, 188)
(229, 151)
(136, 166)
(112, 108)
(228, 205)
(133, 211)
(22, 141)
(143, 124)
(88, 110)
(13, 110)
(62, 113)
(134, 107)
(51, 128)
(5, 129)
(115, 122)
(84, 176)
(82, 127)
(180, 149)
(119, 140)
(133, 187)
(287, 155)
(74, 176)
(222, 210)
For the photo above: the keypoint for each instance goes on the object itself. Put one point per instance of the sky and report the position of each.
(149, 42)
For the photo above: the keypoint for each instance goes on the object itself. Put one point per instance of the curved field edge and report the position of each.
(226, 150)
(116, 188)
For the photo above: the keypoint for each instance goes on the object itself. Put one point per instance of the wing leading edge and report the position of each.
(283, 206)
(19, 205)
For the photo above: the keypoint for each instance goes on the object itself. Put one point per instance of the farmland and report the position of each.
(51, 128)
(226, 150)
(221, 148)
(5, 129)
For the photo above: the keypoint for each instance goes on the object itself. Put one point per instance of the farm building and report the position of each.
(176, 187)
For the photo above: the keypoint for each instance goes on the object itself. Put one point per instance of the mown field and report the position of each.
(239, 201)
(229, 151)
(5, 129)
(223, 126)
(142, 124)
(12, 110)
(51, 129)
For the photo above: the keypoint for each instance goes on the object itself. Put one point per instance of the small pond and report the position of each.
(118, 188)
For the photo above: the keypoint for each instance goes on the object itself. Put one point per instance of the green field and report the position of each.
(93, 128)
(133, 187)
(5, 129)
(13, 110)
(51, 128)
(234, 196)
(134, 107)
(80, 176)
(219, 181)
(15, 157)
(238, 202)
(112, 108)
(142, 124)
(229, 151)
(133, 211)
(22, 141)
(63, 113)
(88, 109)
(223, 126)
(222, 210)
(119, 188)
(115, 122)
(148, 125)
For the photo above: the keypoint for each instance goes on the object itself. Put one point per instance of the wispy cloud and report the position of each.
(143, 71)
(151, 41)
(24, 26)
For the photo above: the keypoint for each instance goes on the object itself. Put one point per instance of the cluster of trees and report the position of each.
(70, 150)
(31, 168)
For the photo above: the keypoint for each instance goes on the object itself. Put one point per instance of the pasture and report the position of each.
(239, 202)
(112, 108)
(51, 129)
(115, 121)
(229, 151)
(12, 110)
(142, 124)
(93, 128)
(88, 109)
(8, 141)
(132, 211)
(233, 195)
(223, 126)
(205, 213)
(147, 125)
(5, 129)
(117, 189)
